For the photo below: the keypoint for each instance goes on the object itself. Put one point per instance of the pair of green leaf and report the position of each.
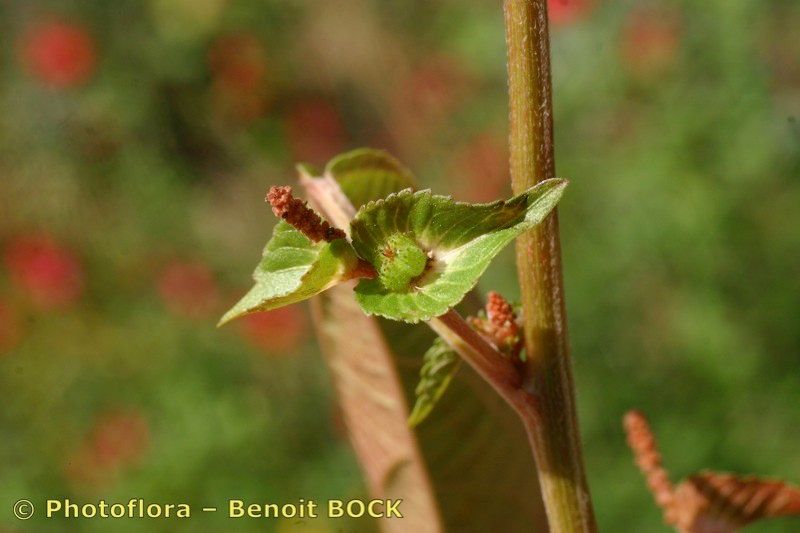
(459, 240)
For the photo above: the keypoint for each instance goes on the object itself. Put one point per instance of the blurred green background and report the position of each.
(137, 139)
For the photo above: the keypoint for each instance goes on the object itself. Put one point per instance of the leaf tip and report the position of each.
(559, 186)
(229, 317)
(416, 417)
(306, 170)
(556, 186)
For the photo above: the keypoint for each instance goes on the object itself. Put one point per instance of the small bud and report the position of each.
(500, 325)
(402, 261)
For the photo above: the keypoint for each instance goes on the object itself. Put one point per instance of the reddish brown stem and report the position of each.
(487, 361)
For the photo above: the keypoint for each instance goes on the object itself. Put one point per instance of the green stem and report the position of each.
(552, 426)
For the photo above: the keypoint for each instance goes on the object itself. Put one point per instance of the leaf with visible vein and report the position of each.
(439, 365)
(460, 240)
(293, 268)
(366, 174)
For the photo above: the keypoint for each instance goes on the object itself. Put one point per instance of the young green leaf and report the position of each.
(292, 269)
(439, 365)
(459, 240)
(367, 174)
(401, 262)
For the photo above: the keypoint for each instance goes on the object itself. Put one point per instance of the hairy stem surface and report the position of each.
(553, 428)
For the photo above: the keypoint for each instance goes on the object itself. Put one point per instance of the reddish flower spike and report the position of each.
(707, 502)
(499, 311)
(645, 451)
(500, 325)
(297, 213)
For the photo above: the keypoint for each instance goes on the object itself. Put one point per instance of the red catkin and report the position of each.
(503, 319)
(648, 459)
(708, 501)
(297, 213)
(500, 325)
(499, 311)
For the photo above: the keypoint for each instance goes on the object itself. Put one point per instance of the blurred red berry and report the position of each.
(188, 289)
(425, 99)
(315, 130)
(10, 328)
(434, 86)
(47, 272)
(279, 331)
(117, 441)
(239, 69)
(650, 41)
(563, 12)
(58, 53)
(778, 43)
(480, 170)
(238, 60)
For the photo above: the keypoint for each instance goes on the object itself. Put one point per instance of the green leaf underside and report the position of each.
(366, 174)
(293, 268)
(440, 363)
(460, 238)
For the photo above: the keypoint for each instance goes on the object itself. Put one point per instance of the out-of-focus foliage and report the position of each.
(137, 140)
